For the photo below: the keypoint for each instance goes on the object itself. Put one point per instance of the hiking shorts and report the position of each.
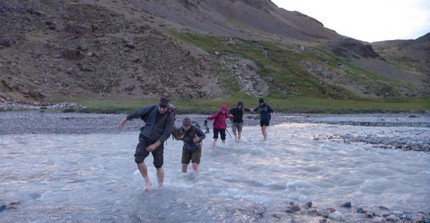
(221, 132)
(237, 125)
(191, 155)
(264, 123)
(141, 153)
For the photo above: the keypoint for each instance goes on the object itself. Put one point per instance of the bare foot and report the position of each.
(148, 184)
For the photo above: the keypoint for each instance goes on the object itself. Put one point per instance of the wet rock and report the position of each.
(295, 208)
(406, 217)
(392, 218)
(309, 204)
(347, 205)
(337, 215)
(369, 214)
(360, 210)
(2, 207)
(325, 213)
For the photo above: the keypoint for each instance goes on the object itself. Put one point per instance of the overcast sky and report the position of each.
(367, 20)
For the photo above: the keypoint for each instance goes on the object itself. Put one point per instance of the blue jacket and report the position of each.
(265, 112)
(154, 131)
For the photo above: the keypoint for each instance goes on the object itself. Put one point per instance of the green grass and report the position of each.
(280, 66)
(284, 105)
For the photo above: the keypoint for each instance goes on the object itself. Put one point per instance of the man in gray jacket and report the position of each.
(158, 127)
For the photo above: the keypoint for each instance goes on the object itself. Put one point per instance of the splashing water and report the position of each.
(93, 177)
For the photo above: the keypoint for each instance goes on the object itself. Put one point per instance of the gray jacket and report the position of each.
(154, 131)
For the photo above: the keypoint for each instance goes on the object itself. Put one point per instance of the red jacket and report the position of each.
(220, 121)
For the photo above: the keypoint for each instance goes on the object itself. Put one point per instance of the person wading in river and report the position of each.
(219, 123)
(237, 120)
(265, 115)
(158, 127)
(192, 149)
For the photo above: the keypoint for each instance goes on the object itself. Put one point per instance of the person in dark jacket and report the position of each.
(219, 123)
(265, 115)
(237, 120)
(158, 127)
(192, 149)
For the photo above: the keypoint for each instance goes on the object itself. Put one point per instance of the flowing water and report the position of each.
(93, 177)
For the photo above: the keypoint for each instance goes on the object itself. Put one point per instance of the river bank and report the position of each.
(45, 122)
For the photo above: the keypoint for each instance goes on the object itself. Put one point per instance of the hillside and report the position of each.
(411, 55)
(190, 49)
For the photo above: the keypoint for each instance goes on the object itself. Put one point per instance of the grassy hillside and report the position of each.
(296, 70)
(292, 88)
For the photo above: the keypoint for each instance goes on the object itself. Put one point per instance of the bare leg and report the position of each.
(239, 134)
(215, 139)
(196, 167)
(223, 141)
(160, 176)
(144, 171)
(184, 168)
(264, 131)
(234, 133)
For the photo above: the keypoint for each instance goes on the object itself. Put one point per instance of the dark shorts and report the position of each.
(191, 155)
(141, 153)
(221, 132)
(237, 126)
(264, 123)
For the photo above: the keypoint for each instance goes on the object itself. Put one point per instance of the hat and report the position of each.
(164, 101)
(224, 107)
(261, 100)
(186, 121)
(240, 103)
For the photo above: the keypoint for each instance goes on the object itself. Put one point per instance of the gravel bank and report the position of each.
(391, 137)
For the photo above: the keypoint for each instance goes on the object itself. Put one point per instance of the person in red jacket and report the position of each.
(219, 123)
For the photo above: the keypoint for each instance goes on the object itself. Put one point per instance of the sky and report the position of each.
(367, 20)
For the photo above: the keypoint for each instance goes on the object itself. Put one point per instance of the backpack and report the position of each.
(217, 116)
(174, 110)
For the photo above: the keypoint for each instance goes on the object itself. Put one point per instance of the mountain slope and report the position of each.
(248, 19)
(413, 55)
(186, 48)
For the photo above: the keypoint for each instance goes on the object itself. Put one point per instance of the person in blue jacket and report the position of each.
(265, 115)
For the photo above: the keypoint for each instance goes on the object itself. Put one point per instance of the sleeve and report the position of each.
(270, 109)
(138, 113)
(212, 117)
(230, 111)
(168, 129)
(247, 109)
(256, 109)
(229, 116)
(200, 133)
